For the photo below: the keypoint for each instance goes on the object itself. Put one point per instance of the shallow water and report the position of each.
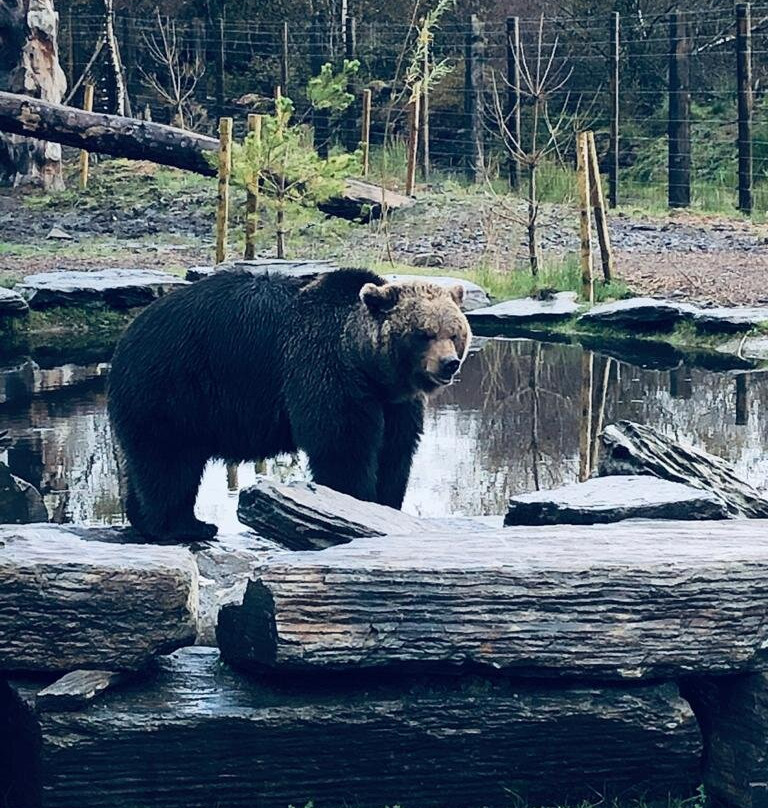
(511, 424)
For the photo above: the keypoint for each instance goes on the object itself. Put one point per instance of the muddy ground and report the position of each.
(135, 215)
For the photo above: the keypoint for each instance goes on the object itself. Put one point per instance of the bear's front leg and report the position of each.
(403, 426)
(342, 445)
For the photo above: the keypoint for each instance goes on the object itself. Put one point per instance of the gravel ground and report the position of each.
(705, 258)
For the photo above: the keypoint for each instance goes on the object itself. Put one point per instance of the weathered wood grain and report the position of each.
(630, 448)
(199, 734)
(306, 516)
(68, 603)
(629, 600)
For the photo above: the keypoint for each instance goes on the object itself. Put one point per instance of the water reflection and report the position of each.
(525, 415)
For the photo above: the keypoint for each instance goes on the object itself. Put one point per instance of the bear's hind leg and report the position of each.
(165, 492)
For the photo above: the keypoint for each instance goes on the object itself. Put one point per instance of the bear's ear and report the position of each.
(379, 298)
(457, 293)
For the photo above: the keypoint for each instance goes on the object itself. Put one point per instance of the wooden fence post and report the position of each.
(585, 223)
(232, 477)
(425, 113)
(320, 118)
(284, 60)
(679, 172)
(350, 114)
(220, 63)
(413, 143)
(598, 208)
(585, 423)
(366, 133)
(744, 79)
(512, 112)
(613, 165)
(84, 158)
(473, 80)
(225, 166)
(252, 198)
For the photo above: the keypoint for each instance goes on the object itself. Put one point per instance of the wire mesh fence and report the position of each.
(224, 67)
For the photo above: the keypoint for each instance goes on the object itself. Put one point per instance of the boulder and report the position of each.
(561, 306)
(611, 499)
(116, 288)
(475, 297)
(20, 501)
(69, 603)
(197, 733)
(12, 304)
(629, 600)
(736, 318)
(307, 516)
(643, 313)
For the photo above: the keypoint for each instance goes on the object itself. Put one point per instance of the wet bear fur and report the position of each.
(244, 366)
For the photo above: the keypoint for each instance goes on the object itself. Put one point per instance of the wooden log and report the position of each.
(365, 201)
(108, 134)
(71, 603)
(306, 516)
(630, 448)
(628, 600)
(200, 734)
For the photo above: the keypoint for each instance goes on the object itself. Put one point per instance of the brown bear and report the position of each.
(245, 366)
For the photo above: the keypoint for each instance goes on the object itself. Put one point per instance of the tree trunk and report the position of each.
(120, 102)
(29, 63)
(109, 134)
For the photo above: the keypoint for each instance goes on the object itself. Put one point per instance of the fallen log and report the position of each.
(200, 734)
(627, 600)
(630, 448)
(69, 603)
(107, 134)
(365, 201)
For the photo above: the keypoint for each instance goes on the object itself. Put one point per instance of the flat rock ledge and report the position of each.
(277, 266)
(613, 499)
(70, 603)
(643, 313)
(197, 733)
(561, 306)
(115, 288)
(736, 318)
(634, 600)
(475, 297)
(12, 304)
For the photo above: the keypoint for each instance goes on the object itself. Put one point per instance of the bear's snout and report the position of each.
(449, 365)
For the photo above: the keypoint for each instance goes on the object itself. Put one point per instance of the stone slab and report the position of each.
(116, 288)
(292, 268)
(76, 689)
(640, 313)
(736, 318)
(12, 304)
(70, 603)
(199, 734)
(612, 499)
(630, 600)
(475, 297)
(562, 306)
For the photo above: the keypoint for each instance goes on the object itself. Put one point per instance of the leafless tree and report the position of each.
(542, 77)
(178, 71)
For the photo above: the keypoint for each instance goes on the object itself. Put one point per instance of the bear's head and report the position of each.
(420, 335)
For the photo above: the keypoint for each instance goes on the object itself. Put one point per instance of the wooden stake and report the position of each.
(585, 424)
(284, 59)
(232, 477)
(598, 208)
(613, 165)
(744, 93)
(474, 56)
(425, 114)
(413, 144)
(679, 127)
(252, 198)
(366, 133)
(512, 113)
(225, 166)
(585, 219)
(84, 159)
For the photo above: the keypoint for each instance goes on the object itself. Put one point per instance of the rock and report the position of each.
(630, 448)
(364, 201)
(307, 516)
(58, 234)
(475, 296)
(198, 733)
(562, 306)
(77, 689)
(611, 499)
(12, 304)
(755, 348)
(630, 600)
(429, 259)
(117, 288)
(20, 501)
(294, 269)
(737, 318)
(71, 603)
(641, 313)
